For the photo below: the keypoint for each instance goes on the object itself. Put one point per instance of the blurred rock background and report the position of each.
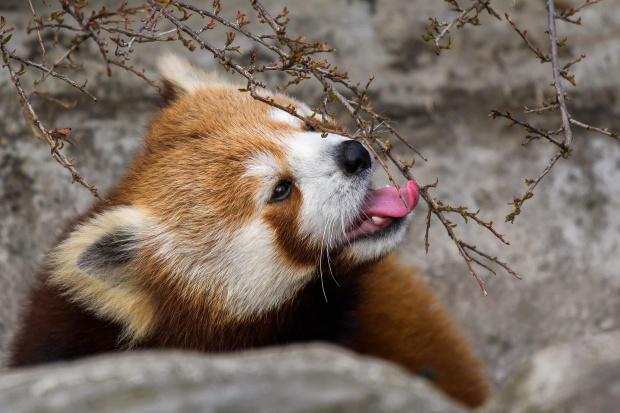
(550, 341)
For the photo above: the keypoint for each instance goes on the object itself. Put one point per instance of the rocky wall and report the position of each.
(565, 243)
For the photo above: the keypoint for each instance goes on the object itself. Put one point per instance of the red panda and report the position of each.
(236, 227)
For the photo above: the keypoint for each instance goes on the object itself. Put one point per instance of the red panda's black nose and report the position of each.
(353, 158)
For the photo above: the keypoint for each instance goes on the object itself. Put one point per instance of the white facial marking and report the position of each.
(267, 168)
(257, 278)
(284, 117)
(331, 199)
(244, 266)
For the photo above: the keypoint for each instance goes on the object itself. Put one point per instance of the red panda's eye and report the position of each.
(310, 127)
(282, 191)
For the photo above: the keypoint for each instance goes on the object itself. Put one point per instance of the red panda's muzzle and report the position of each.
(380, 209)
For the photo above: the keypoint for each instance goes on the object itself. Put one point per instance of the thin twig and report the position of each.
(461, 20)
(543, 133)
(553, 38)
(474, 216)
(568, 12)
(492, 259)
(49, 137)
(538, 111)
(55, 74)
(604, 131)
(518, 202)
(539, 54)
(50, 71)
(34, 16)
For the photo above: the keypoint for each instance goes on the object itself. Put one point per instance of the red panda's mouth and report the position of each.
(381, 208)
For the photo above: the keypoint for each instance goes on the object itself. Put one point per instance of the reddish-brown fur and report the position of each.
(189, 175)
(50, 320)
(385, 311)
(402, 321)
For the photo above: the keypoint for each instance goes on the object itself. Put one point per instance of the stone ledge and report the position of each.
(300, 378)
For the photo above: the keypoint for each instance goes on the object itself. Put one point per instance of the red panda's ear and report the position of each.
(168, 92)
(94, 267)
(109, 253)
(181, 78)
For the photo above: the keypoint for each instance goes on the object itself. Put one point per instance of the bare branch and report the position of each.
(54, 137)
(604, 131)
(553, 38)
(539, 54)
(541, 132)
(568, 12)
(55, 74)
(440, 29)
(518, 202)
(34, 16)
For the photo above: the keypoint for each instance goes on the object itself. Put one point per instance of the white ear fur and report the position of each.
(183, 75)
(91, 266)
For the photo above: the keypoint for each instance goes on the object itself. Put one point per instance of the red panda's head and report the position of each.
(231, 202)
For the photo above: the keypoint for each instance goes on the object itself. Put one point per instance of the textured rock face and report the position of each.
(582, 376)
(565, 242)
(293, 379)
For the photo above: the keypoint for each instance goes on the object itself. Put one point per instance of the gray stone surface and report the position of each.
(564, 244)
(294, 379)
(581, 376)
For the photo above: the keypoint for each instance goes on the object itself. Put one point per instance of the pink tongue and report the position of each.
(387, 203)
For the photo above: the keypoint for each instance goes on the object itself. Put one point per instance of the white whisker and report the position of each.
(327, 253)
(321, 264)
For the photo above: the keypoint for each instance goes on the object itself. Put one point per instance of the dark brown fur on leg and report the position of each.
(54, 329)
(401, 320)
